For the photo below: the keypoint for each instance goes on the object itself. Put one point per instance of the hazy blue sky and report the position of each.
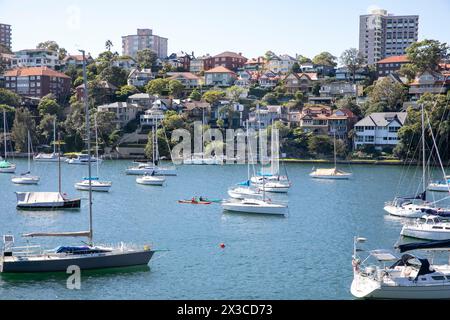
(210, 26)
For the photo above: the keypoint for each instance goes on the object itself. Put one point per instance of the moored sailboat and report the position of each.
(27, 178)
(5, 165)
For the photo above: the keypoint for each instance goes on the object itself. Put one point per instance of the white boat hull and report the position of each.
(26, 180)
(439, 187)
(418, 233)
(11, 169)
(150, 181)
(332, 177)
(244, 194)
(269, 209)
(403, 212)
(99, 186)
(157, 171)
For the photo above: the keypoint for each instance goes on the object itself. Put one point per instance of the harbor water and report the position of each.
(306, 255)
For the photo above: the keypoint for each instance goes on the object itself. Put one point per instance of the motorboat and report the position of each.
(95, 184)
(333, 174)
(427, 228)
(383, 275)
(46, 200)
(27, 178)
(150, 180)
(148, 168)
(242, 192)
(414, 207)
(83, 159)
(440, 186)
(254, 206)
(47, 157)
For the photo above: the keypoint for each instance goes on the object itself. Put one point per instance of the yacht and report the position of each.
(27, 178)
(150, 180)
(5, 165)
(83, 159)
(427, 228)
(242, 192)
(149, 168)
(50, 157)
(254, 206)
(440, 186)
(383, 275)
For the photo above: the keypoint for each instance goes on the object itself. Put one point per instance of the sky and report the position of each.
(251, 27)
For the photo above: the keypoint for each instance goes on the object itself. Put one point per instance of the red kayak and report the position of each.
(193, 202)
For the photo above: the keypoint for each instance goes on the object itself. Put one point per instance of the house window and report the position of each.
(394, 129)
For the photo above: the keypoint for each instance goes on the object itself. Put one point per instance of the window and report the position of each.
(394, 129)
(369, 139)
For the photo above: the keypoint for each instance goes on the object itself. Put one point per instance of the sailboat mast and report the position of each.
(4, 130)
(59, 162)
(335, 156)
(54, 135)
(424, 169)
(96, 145)
(88, 134)
(28, 147)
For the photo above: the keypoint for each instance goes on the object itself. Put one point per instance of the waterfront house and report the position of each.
(144, 100)
(125, 62)
(220, 76)
(197, 109)
(303, 82)
(281, 64)
(345, 75)
(188, 79)
(429, 82)
(152, 116)
(379, 129)
(266, 116)
(197, 65)
(124, 111)
(255, 64)
(338, 89)
(269, 80)
(181, 60)
(140, 77)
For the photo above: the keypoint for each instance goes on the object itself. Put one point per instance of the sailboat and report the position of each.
(152, 168)
(334, 173)
(48, 200)
(94, 183)
(417, 206)
(86, 257)
(27, 178)
(440, 186)
(151, 179)
(49, 157)
(5, 165)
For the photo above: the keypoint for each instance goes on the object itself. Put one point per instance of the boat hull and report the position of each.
(95, 187)
(412, 232)
(150, 182)
(25, 181)
(331, 177)
(158, 172)
(84, 262)
(68, 204)
(11, 169)
(436, 187)
(268, 210)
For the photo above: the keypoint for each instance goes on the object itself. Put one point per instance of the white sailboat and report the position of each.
(417, 206)
(440, 186)
(84, 159)
(5, 165)
(27, 178)
(151, 179)
(407, 277)
(334, 173)
(50, 157)
(86, 257)
(95, 183)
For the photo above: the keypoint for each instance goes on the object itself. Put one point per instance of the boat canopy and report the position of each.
(444, 244)
(327, 172)
(245, 183)
(383, 255)
(80, 250)
(91, 178)
(4, 164)
(407, 260)
(39, 197)
(422, 196)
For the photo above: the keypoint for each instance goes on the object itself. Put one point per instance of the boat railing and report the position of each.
(27, 250)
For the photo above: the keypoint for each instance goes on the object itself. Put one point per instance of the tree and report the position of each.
(320, 145)
(350, 104)
(427, 54)
(163, 146)
(316, 89)
(157, 86)
(299, 96)
(270, 99)
(353, 60)
(105, 125)
(235, 93)
(325, 58)
(53, 46)
(114, 75)
(9, 98)
(213, 96)
(409, 71)
(302, 59)
(23, 122)
(108, 45)
(296, 68)
(74, 126)
(269, 55)
(386, 90)
(176, 88)
(48, 105)
(146, 58)
(195, 95)
(173, 121)
(126, 91)
(45, 128)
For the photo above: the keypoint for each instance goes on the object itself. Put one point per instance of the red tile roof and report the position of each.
(35, 71)
(394, 59)
(230, 54)
(185, 75)
(220, 69)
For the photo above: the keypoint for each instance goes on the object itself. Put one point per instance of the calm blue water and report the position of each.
(306, 255)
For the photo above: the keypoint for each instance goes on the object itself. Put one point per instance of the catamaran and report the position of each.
(94, 183)
(86, 257)
(417, 206)
(405, 277)
(334, 173)
(50, 157)
(27, 178)
(5, 165)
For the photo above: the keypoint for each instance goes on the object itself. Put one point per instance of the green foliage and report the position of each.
(163, 146)
(427, 54)
(270, 99)
(105, 125)
(296, 68)
(316, 89)
(350, 104)
(114, 75)
(320, 145)
(257, 92)
(409, 71)
(213, 96)
(157, 86)
(45, 129)
(126, 91)
(9, 98)
(49, 105)
(388, 91)
(325, 58)
(176, 88)
(146, 58)
(235, 93)
(302, 59)
(195, 95)
(23, 122)
(173, 121)
(353, 59)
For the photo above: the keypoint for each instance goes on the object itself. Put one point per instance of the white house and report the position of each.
(379, 129)
(220, 76)
(125, 112)
(140, 78)
(281, 64)
(35, 58)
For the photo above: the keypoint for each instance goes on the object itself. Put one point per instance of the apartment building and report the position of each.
(35, 58)
(144, 39)
(5, 35)
(230, 60)
(382, 34)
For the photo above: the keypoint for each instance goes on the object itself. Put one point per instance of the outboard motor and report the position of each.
(8, 245)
